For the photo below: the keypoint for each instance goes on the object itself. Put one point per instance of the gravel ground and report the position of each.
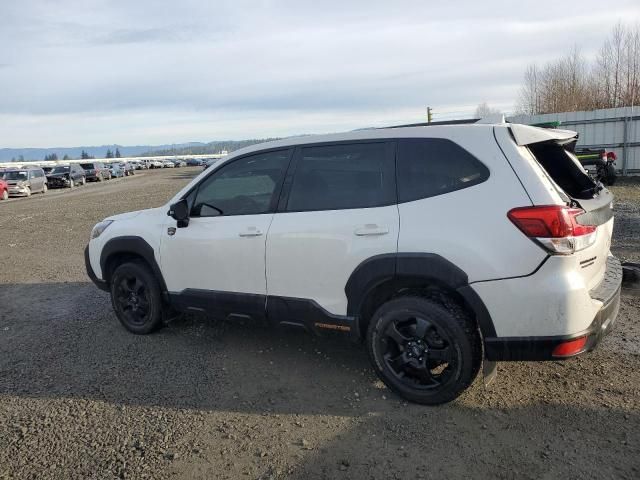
(82, 398)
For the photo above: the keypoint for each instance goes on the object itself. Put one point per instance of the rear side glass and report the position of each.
(343, 176)
(434, 166)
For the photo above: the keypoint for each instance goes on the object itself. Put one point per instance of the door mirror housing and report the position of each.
(180, 212)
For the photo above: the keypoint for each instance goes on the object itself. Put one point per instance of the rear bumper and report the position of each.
(101, 284)
(541, 348)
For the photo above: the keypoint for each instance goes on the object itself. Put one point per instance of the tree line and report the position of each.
(52, 157)
(573, 83)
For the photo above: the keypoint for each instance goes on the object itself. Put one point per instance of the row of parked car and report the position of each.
(192, 162)
(26, 180)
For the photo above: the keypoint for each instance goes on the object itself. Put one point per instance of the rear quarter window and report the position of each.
(434, 166)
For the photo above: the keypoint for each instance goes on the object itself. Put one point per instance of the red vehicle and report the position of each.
(4, 189)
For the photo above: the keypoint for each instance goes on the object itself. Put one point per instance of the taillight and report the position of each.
(554, 227)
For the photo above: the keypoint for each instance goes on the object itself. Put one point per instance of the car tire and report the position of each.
(136, 298)
(28, 194)
(44, 188)
(99, 177)
(425, 349)
(84, 180)
(71, 183)
(610, 175)
(5, 195)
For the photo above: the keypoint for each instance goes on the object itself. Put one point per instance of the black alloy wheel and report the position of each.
(136, 298)
(425, 351)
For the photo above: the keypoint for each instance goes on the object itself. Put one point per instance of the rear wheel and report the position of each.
(610, 175)
(427, 351)
(136, 298)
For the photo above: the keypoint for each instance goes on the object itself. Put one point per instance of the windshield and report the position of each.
(87, 166)
(60, 170)
(16, 175)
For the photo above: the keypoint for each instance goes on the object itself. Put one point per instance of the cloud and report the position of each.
(80, 70)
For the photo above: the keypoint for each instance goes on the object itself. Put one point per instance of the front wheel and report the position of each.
(136, 298)
(71, 183)
(426, 350)
(5, 195)
(28, 191)
(84, 180)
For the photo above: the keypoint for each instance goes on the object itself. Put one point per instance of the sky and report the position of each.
(89, 72)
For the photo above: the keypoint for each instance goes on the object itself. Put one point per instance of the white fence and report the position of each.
(616, 129)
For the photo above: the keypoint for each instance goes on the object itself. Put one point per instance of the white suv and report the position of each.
(440, 246)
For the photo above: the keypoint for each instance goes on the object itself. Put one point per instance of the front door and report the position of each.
(217, 262)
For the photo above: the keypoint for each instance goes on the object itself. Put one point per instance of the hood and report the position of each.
(130, 215)
(57, 175)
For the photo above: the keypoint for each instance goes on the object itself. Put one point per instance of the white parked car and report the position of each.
(156, 164)
(168, 164)
(441, 246)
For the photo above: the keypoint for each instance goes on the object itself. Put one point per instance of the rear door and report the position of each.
(338, 208)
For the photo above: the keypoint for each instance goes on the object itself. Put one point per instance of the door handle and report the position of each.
(371, 229)
(251, 232)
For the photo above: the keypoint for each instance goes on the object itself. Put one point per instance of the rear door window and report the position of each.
(343, 176)
(434, 166)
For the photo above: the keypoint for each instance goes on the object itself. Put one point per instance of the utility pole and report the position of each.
(429, 114)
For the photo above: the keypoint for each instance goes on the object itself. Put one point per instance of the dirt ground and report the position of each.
(82, 398)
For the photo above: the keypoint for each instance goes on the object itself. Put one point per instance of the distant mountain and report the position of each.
(191, 148)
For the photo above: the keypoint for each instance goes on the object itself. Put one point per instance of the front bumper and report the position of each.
(541, 348)
(101, 284)
(58, 182)
(15, 190)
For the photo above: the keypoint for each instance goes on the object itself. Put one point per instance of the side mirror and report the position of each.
(180, 212)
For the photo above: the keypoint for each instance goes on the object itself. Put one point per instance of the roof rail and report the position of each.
(433, 124)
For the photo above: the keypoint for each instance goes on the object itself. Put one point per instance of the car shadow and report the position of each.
(186, 174)
(61, 340)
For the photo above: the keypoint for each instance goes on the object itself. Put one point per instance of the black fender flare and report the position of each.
(131, 245)
(379, 269)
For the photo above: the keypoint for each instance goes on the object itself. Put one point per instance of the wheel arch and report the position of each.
(383, 277)
(121, 249)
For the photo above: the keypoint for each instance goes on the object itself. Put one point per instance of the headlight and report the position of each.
(99, 228)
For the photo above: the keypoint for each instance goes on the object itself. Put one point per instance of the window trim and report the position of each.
(390, 156)
(277, 191)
